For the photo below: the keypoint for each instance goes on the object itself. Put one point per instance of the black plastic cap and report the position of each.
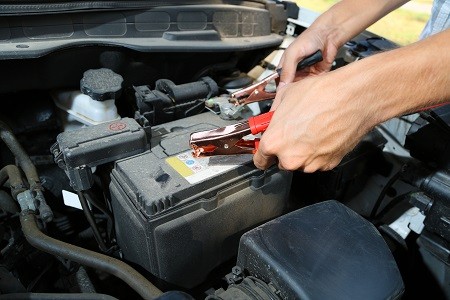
(101, 84)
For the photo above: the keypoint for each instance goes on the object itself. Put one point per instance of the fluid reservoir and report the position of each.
(94, 103)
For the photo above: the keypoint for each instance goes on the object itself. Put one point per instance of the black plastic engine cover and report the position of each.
(323, 251)
(430, 143)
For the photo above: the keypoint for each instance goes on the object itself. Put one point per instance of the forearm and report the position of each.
(403, 80)
(322, 118)
(348, 18)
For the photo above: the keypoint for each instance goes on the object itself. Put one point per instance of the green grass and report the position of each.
(401, 26)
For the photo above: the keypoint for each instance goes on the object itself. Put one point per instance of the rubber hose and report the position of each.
(19, 153)
(49, 296)
(86, 257)
(12, 173)
(28, 168)
(7, 203)
(83, 281)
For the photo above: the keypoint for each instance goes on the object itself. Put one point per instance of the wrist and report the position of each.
(355, 89)
(329, 31)
(399, 81)
(347, 18)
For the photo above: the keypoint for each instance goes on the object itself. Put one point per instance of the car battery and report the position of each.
(177, 215)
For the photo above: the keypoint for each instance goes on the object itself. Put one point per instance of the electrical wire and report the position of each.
(104, 209)
(394, 202)
(100, 206)
(91, 221)
(383, 192)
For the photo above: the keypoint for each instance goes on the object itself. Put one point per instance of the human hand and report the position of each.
(316, 124)
(306, 44)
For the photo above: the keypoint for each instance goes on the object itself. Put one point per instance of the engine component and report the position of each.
(101, 84)
(361, 49)
(435, 203)
(78, 151)
(323, 251)
(220, 105)
(436, 254)
(349, 177)
(29, 169)
(55, 296)
(169, 102)
(177, 215)
(7, 203)
(291, 8)
(430, 142)
(96, 102)
(245, 288)
(204, 88)
(12, 173)
(86, 257)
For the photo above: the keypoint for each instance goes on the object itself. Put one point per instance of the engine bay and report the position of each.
(102, 198)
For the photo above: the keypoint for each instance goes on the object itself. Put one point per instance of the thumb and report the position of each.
(288, 69)
(279, 96)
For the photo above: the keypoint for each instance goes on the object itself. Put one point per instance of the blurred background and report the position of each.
(402, 26)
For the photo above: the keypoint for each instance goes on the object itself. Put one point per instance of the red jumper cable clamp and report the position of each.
(230, 140)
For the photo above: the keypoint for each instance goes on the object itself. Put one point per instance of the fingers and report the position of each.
(289, 62)
(278, 97)
(291, 158)
(306, 44)
(280, 65)
(262, 159)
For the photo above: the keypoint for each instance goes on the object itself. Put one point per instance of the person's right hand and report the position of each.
(311, 40)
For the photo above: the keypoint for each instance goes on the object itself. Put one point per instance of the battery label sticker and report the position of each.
(198, 169)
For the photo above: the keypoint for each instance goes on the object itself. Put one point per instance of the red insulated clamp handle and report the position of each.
(260, 123)
(256, 146)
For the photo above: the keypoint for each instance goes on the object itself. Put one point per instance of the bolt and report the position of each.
(236, 271)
